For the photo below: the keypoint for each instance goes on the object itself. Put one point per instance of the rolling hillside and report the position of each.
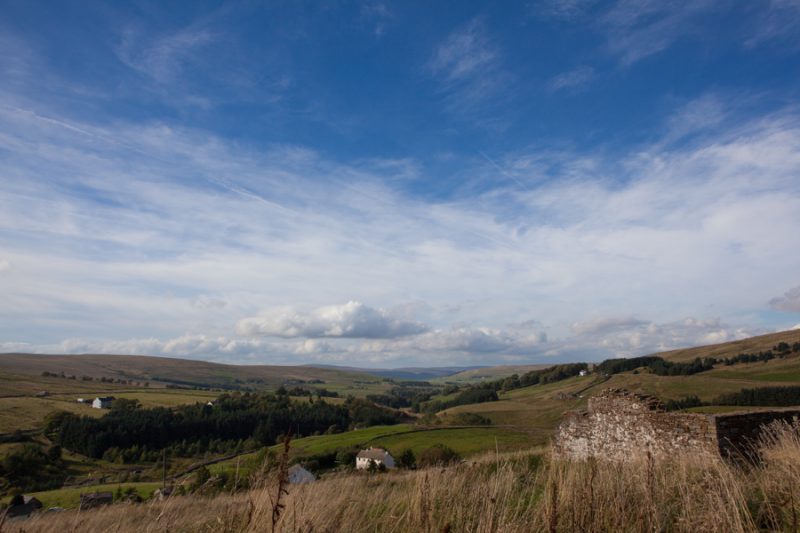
(728, 349)
(538, 409)
(185, 372)
(475, 375)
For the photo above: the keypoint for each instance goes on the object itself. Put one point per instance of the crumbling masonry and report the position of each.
(619, 425)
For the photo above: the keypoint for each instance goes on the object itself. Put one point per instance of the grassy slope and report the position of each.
(537, 409)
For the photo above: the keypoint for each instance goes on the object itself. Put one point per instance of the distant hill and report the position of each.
(408, 373)
(477, 374)
(730, 349)
(178, 371)
(344, 379)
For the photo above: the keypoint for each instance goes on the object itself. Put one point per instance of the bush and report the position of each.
(437, 455)
(29, 468)
(407, 459)
(467, 419)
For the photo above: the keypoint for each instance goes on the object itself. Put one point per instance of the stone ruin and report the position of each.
(620, 424)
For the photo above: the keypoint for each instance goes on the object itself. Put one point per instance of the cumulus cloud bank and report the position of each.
(352, 320)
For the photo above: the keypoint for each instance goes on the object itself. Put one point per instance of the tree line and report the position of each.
(786, 396)
(234, 417)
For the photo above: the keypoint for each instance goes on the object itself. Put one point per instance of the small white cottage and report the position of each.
(102, 402)
(379, 456)
(298, 474)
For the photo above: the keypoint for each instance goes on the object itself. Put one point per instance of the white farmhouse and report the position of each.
(102, 402)
(379, 456)
(298, 474)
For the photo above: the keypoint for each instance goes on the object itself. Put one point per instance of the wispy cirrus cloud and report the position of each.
(468, 66)
(573, 80)
(562, 9)
(162, 58)
(636, 29)
(777, 20)
(379, 15)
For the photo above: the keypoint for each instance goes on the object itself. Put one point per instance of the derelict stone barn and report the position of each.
(620, 424)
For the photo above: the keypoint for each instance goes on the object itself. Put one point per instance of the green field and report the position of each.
(359, 437)
(465, 441)
(29, 412)
(69, 498)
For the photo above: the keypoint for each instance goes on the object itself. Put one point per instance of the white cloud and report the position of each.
(351, 320)
(5, 266)
(572, 80)
(627, 337)
(790, 301)
(604, 338)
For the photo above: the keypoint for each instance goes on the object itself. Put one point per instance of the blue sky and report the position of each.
(389, 184)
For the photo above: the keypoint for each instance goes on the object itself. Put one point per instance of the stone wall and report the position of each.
(619, 425)
(736, 432)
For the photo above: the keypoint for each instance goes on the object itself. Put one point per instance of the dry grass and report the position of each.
(517, 492)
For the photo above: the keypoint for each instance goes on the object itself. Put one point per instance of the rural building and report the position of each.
(95, 499)
(298, 474)
(102, 402)
(379, 456)
(620, 424)
(23, 506)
